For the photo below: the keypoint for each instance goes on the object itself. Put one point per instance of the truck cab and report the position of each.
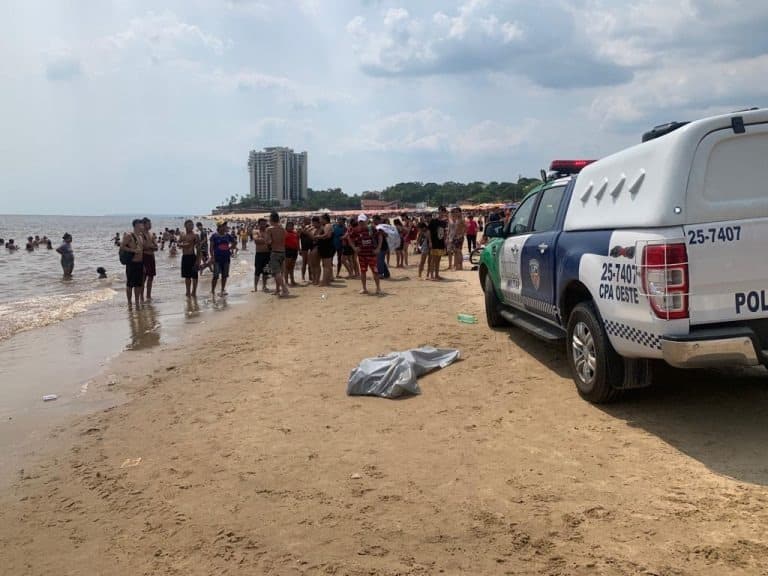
(652, 253)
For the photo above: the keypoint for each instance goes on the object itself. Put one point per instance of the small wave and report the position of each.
(42, 311)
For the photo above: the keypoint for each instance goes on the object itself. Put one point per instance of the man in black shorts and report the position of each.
(438, 234)
(221, 245)
(190, 257)
(261, 260)
(134, 270)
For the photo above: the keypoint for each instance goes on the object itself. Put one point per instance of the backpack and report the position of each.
(126, 257)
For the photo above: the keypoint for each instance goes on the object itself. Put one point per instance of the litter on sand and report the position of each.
(130, 462)
(49, 397)
(467, 318)
(393, 375)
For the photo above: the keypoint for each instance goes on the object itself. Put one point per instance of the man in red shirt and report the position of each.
(364, 245)
(291, 252)
(471, 233)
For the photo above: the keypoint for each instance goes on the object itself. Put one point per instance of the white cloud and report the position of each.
(458, 26)
(268, 9)
(563, 44)
(642, 33)
(482, 35)
(165, 36)
(356, 28)
(426, 129)
(257, 8)
(431, 130)
(400, 45)
(395, 16)
(309, 7)
(211, 79)
(300, 95)
(684, 87)
(511, 31)
(491, 138)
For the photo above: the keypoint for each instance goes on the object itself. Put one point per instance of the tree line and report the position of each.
(430, 193)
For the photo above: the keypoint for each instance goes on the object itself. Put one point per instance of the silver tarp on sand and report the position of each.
(395, 374)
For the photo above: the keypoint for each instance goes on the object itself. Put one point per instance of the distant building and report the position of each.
(373, 204)
(278, 175)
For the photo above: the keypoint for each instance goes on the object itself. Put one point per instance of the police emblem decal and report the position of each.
(533, 268)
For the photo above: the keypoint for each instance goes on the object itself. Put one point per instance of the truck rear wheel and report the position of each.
(492, 304)
(597, 368)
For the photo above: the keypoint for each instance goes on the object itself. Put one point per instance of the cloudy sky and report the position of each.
(112, 106)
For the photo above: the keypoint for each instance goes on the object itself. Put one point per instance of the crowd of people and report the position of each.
(37, 242)
(358, 245)
(319, 248)
(137, 254)
(316, 247)
(33, 243)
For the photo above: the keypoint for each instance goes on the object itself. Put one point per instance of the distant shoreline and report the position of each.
(133, 215)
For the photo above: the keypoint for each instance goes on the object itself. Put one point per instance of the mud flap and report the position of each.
(638, 373)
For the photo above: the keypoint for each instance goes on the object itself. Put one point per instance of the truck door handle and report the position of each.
(543, 247)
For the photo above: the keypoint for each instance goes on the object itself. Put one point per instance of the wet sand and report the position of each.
(242, 454)
(76, 360)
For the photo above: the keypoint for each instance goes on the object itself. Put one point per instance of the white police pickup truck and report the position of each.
(657, 252)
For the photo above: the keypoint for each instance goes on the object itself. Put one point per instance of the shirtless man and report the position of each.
(134, 270)
(190, 257)
(261, 260)
(276, 240)
(150, 247)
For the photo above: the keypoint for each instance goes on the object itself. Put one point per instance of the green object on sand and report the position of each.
(467, 318)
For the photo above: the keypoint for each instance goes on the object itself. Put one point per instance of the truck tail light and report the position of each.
(665, 279)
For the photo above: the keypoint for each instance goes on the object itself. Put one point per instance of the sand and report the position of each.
(243, 454)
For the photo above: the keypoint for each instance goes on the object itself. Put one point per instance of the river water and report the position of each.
(57, 334)
(34, 295)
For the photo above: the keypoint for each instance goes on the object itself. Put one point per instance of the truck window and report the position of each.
(522, 218)
(548, 207)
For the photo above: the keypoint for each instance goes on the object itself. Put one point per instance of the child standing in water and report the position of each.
(67, 256)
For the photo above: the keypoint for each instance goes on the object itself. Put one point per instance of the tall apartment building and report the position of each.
(278, 175)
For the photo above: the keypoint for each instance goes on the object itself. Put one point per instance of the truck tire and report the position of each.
(597, 368)
(492, 305)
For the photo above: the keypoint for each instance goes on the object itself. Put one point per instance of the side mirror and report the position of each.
(519, 229)
(494, 230)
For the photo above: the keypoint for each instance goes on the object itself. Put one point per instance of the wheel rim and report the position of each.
(584, 356)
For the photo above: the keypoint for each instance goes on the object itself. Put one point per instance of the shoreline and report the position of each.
(241, 453)
(80, 359)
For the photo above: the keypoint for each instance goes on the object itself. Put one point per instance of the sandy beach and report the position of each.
(239, 452)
